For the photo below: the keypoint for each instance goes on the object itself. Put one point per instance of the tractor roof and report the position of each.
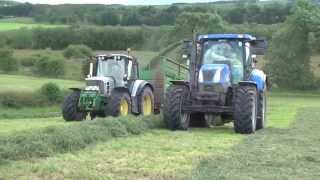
(106, 56)
(113, 55)
(244, 37)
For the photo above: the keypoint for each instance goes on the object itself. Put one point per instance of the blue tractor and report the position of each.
(223, 84)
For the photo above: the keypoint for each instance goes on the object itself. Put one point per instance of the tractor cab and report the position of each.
(223, 60)
(121, 67)
(111, 71)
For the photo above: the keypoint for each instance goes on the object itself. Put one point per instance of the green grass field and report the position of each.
(29, 83)
(8, 26)
(287, 149)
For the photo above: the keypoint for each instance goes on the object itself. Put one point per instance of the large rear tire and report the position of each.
(119, 104)
(174, 118)
(245, 110)
(146, 102)
(262, 107)
(70, 111)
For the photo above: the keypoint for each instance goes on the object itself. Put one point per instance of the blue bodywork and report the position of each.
(245, 37)
(215, 73)
(259, 78)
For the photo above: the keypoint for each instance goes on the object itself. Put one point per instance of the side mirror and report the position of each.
(254, 58)
(259, 46)
(186, 48)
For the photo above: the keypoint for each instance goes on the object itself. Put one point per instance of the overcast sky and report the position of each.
(126, 2)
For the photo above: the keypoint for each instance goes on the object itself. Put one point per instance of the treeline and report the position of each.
(110, 38)
(233, 12)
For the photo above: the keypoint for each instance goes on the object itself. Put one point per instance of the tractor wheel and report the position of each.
(245, 114)
(146, 102)
(262, 106)
(119, 104)
(174, 118)
(70, 111)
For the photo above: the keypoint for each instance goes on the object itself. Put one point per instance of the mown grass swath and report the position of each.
(60, 139)
(274, 153)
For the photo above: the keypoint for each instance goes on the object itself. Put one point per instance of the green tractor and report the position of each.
(223, 85)
(113, 88)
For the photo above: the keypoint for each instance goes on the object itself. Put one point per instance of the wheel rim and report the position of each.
(264, 110)
(254, 115)
(147, 105)
(124, 107)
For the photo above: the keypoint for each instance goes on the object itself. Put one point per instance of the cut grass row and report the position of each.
(29, 112)
(275, 153)
(44, 142)
(162, 154)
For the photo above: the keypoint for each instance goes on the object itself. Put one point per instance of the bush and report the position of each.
(28, 61)
(50, 92)
(49, 66)
(18, 99)
(7, 62)
(77, 51)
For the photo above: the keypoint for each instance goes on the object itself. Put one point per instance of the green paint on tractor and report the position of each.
(90, 101)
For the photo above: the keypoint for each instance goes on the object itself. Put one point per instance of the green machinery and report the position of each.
(116, 86)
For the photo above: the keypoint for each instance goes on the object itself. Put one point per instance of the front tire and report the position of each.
(70, 111)
(174, 118)
(146, 102)
(245, 114)
(262, 106)
(119, 104)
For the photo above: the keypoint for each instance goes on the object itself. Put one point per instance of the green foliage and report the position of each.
(251, 11)
(20, 39)
(189, 23)
(48, 94)
(289, 53)
(17, 99)
(61, 139)
(77, 51)
(51, 93)
(7, 62)
(49, 66)
(94, 37)
(29, 61)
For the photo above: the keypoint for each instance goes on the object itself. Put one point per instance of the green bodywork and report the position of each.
(171, 70)
(91, 101)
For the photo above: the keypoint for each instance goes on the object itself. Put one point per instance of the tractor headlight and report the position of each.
(92, 88)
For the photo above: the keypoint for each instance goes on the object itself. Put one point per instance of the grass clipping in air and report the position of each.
(62, 139)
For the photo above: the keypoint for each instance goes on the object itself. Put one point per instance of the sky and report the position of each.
(125, 2)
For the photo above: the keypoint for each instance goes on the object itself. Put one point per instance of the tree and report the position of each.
(109, 18)
(7, 62)
(189, 23)
(289, 53)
